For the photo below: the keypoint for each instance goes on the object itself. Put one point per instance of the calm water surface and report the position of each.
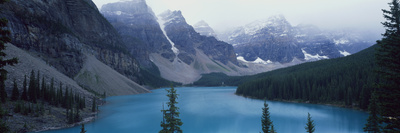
(217, 110)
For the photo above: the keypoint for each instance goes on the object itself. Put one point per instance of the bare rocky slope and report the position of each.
(62, 33)
(64, 40)
(54, 117)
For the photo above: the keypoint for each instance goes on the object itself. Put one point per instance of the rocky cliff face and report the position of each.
(61, 32)
(167, 41)
(140, 31)
(186, 39)
(204, 29)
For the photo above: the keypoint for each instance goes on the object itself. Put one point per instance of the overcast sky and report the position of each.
(326, 14)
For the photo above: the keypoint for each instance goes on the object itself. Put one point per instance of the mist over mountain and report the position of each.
(204, 29)
(165, 42)
(275, 39)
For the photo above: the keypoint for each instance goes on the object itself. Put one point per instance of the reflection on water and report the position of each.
(217, 109)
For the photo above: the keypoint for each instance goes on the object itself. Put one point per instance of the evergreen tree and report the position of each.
(272, 129)
(77, 116)
(4, 38)
(83, 129)
(171, 115)
(265, 119)
(94, 105)
(310, 126)
(37, 85)
(373, 120)
(163, 124)
(24, 95)
(3, 125)
(387, 58)
(15, 92)
(32, 88)
(43, 90)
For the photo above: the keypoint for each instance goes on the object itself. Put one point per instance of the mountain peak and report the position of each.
(172, 16)
(273, 21)
(127, 7)
(204, 29)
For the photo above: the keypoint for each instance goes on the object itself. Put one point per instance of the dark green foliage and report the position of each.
(212, 79)
(3, 127)
(338, 81)
(4, 38)
(172, 122)
(24, 95)
(77, 116)
(94, 105)
(37, 85)
(387, 58)
(372, 125)
(32, 88)
(152, 78)
(15, 92)
(310, 125)
(18, 107)
(42, 93)
(216, 79)
(266, 122)
(272, 129)
(83, 129)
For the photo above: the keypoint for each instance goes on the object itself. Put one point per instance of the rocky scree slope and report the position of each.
(62, 32)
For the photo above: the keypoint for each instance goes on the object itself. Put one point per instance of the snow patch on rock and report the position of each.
(308, 56)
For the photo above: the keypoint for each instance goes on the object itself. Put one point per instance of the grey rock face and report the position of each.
(204, 29)
(140, 31)
(186, 39)
(276, 40)
(60, 32)
(271, 39)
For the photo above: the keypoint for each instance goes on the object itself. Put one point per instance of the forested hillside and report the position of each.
(344, 81)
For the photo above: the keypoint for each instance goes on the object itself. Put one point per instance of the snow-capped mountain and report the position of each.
(139, 29)
(204, 29)
(275, 39)
(167, 44)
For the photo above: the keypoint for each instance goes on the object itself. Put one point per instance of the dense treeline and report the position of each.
(37, 93)
(346, 81)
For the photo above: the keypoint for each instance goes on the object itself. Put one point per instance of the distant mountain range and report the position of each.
(128, 37)
(179, 53)
(276, 40)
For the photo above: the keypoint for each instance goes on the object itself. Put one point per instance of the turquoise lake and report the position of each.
(217, 110)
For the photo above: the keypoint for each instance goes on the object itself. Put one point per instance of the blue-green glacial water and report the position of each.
(217, 110)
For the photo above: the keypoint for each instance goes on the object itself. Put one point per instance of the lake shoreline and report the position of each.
(307, 102)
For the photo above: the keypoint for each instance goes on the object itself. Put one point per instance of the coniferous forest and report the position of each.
(343, 81)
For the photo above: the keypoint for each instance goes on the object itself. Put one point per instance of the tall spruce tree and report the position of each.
(94, 105)
(171, 115)
(272, 129)
(372, 125)
(265, 118)
(32, 88)
(15, 92)
(310, 125)
(387, 57)
(4, 38)
(24, 95)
